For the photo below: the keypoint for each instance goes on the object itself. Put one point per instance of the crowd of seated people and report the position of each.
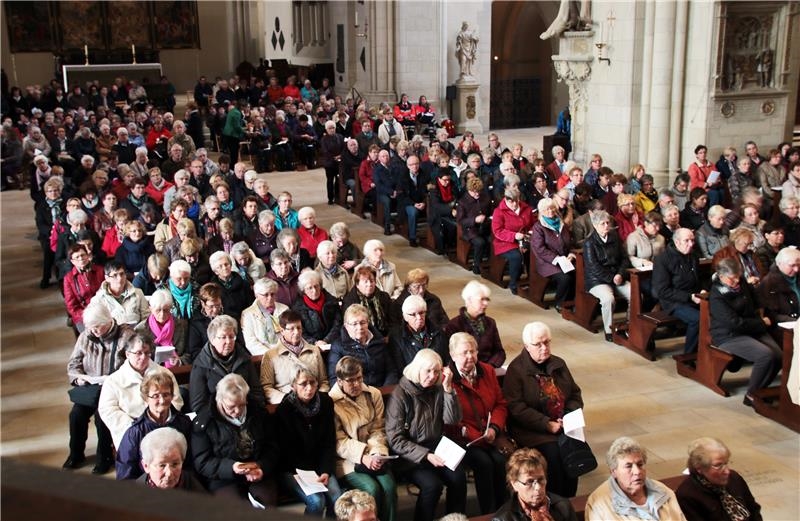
(158, 248)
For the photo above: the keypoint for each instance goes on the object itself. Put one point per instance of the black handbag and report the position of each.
(576, 456)
(88, 395)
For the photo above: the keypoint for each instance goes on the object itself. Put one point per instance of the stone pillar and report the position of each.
(661, 91)
(466, 107)
(573, 65)
(381, 52)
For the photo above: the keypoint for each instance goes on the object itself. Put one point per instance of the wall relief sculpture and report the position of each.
(748, 47)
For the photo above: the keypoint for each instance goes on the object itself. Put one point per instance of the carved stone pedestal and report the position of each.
(466, 106)
(573, 65)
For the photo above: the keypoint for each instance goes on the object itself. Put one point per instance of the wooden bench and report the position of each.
(579, 502)
(537, 287)
(775, 402)
(497, 267)
(585, 305)
(358, 197)
(400, 225)
(707, 365)
(641, 325)
(463, 248)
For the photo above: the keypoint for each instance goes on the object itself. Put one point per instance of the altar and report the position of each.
(106, 72)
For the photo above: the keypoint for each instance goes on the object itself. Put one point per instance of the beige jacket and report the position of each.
(91, 357)
(360, 427)
(609, 503)
(121, 401)
(387, 280)
(130, 308)
(337, 283)
(279, 365)
(643, 249)
(260, 334)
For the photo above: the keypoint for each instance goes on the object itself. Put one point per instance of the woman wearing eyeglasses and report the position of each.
(362, 341)
(527, 478)
(714, 491)
(540, 390)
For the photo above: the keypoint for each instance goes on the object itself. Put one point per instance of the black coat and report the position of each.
(404, 346)
(207, 371)
(215, 447)
(468, 209)
(734, 313)
(410, 192)
(436, 313)
(560, 510)
(307, 443)
(378, 364)
(692, 219)
(603, 260)
(780, 301)
(675, 278)
(320, 327)
(237, 297)
(133, 255)
(384, 301)
(699, 503)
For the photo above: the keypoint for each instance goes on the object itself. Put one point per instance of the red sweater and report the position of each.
(478, 401)
(506, 223)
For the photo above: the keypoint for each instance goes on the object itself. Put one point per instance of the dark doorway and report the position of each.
(522, 72)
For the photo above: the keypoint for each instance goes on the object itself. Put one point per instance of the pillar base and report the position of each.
(465, 110)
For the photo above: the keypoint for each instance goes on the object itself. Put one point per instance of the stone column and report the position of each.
(661, 91)
(381, 52)
(573, 65)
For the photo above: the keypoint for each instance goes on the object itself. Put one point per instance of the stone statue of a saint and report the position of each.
(466, 49)
(573, 15)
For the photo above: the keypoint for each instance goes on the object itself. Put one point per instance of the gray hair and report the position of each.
(160, 298)
(141, 151)
(88, 158)
(600, 217)
(729, 267)
(461, 338)
(544, 204)
(701, 450)
(352, 502)
(232, 386)
(96, 315)
(279, 254)
(422, 359)
(475, 288)
(787, 201)
(218, 256)
(371, 245)
(414, 302)
(624, 446)
(77, 217)
(787, 255)
(339, 229)
(179, 266)
(162, 441)
(222, 323)
(535, 329)
(305, 211)
(556, 149)
(264, 285)
(717, 211)
(211, 199)
(239, 248)
(308, 277)
(325, 247)
(266, 216)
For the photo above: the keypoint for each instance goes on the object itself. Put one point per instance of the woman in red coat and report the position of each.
(512, 221)
(484, 411)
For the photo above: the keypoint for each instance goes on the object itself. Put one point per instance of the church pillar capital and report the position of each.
(573, 66)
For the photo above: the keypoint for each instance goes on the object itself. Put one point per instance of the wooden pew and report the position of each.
(585, 303)
(462, 248)
(579, 502)
(775, 402)
(537, 287)
(497, 267)
(358, 197)
(642, 325)
(707, 365)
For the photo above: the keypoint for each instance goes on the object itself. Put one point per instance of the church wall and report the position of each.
(420, 49)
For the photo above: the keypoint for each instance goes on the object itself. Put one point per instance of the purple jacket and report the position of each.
(546, 245)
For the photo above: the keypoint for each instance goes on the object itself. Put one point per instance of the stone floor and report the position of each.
(623, 393)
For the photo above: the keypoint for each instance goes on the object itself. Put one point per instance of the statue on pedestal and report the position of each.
(466, 49)
(573, 15)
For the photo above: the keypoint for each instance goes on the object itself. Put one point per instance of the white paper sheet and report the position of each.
(713, 177)
(307, 479)
(164, 353)
(564, 263)
(450, 452)
(574, 424)
(255, 503)
(787, 325)
(485, 432)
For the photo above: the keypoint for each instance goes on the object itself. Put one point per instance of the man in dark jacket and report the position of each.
(676, 284)
(415, 333)
(778, 292)
(386, 188)
(413, 196)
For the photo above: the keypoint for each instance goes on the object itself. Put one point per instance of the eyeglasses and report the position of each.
(541, 482)
(163, 396)
(354, 380)
(416, 314)
(721, 466)
(361, 323)
(539, 345)
(116, 275)
(139, 353)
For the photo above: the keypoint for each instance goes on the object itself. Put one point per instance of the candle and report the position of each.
(133, 49)
(356, 17)
(86, 49)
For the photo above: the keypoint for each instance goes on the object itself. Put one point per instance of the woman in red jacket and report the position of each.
(484, 411)
(512, 221)
(699, 173)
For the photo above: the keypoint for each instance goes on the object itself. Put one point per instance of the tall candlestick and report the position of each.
(86, 53)
(133, 51)
(356, 17)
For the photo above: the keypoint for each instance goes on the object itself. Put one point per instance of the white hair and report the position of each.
(179, 266)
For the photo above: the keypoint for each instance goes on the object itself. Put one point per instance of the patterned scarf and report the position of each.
(374, 310)
(227, 206)
(734, 508)
(477, 325)
(551, 396)
(308, 410)
(55, 209)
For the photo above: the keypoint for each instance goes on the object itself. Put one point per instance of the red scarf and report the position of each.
(173, 225)
(446, 192)
(315, 305)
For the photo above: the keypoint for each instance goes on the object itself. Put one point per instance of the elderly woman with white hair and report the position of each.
(163, 456)
(164, 329)
(260, 325)
(249, 267)
(540, 390)
(121, 401)
(310, 234)
(628, 493)
(320, 311)
(98, 352)
(347, 254)
(357, 505)
(233, 444)
(387, 278)
(139, 164)
(335, 279)
(415, 332)
(221, 355)
(157, 186)
(416, 283)
(713, 235)
(422, 404)
(236, 292)
(714, 491)
(472, 319)
(264, 239)
(185, 302)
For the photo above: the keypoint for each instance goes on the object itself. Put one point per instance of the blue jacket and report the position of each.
(129, 456)
(379, 368)
(385, 181)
